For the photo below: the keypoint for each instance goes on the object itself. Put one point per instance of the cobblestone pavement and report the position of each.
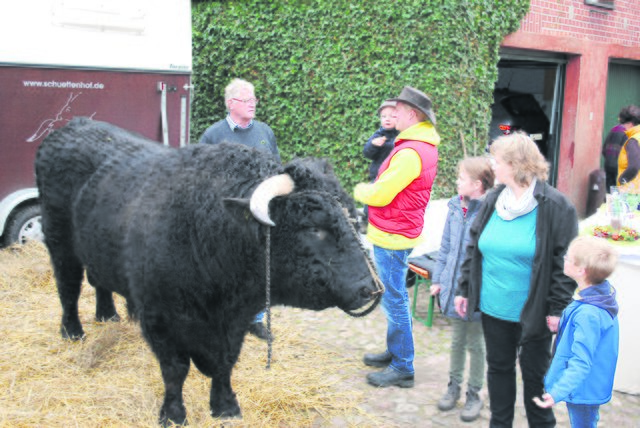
(416, 407)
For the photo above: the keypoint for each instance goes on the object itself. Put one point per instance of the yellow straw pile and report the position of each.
(111, 379)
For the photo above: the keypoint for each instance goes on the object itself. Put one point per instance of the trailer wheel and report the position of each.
(24, 225)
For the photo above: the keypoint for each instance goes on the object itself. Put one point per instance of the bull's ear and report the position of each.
(238, 208)
(309, 173)
(230, 202)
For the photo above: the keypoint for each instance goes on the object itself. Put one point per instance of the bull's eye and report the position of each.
(321, 234)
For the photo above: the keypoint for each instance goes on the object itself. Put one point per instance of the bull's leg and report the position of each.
(175, 368)
(174, 364)
(217, 362)
(68, 272)
(105, 308)
(222, 399)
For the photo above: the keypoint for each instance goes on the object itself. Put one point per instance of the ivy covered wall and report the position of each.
(321, 69)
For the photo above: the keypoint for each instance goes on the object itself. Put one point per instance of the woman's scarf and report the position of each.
(509, 207)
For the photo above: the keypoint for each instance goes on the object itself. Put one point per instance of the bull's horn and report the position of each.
(270, 188)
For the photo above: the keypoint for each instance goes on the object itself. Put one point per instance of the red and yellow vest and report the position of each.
(405, 214)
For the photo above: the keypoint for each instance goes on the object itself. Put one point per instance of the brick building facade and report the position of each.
(587, 38)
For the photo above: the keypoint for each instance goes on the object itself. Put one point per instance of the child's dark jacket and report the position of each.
(378, 154)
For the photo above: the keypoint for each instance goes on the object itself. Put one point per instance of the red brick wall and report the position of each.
(589, 37)
(574, 19)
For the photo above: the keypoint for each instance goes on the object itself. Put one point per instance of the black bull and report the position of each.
(174, 231)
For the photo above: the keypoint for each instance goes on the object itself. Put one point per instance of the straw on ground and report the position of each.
(111, 379)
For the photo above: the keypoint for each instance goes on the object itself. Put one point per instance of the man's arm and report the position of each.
(404, 167)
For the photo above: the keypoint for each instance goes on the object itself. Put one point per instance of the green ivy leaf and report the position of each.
(321, 70)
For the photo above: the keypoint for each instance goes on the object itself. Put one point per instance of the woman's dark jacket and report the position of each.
(378, 154)
(551, 290)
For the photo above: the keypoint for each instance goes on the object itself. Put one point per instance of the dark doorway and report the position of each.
(528, 97)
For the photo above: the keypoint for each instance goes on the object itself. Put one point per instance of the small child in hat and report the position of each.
(380, 143)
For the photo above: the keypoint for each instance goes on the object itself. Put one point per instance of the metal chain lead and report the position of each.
(370, 265)
(268, 292)
(376, 279)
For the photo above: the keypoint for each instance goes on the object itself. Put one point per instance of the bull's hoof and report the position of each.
(179, 419)
(108, 318)
(227, 415)
(232, 411)
(72, 333)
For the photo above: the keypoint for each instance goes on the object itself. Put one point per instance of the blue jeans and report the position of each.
(584, 415)
(392, 269)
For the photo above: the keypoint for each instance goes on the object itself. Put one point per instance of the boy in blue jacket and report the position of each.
(586, 349)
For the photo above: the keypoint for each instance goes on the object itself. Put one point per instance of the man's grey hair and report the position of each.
(234, 87)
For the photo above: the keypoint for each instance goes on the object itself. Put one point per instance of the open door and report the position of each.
(528, 97)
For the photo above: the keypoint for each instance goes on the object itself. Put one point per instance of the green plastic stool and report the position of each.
(423, 277)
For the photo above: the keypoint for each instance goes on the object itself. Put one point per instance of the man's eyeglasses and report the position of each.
(247, 100)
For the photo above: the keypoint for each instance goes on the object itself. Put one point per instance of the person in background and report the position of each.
(397, 201)
(380, 144)
(610, 150)
(629, 158)
(586, 349)
(513, 274)
(240, 127)
(475, 178)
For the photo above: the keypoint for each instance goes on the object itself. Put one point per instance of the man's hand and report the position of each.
(546, 402)
(461, 305)
(378, 141)
(435, 289)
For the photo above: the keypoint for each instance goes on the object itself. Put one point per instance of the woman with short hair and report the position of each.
(513, 274)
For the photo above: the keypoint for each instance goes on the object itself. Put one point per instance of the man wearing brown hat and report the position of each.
(397, 201)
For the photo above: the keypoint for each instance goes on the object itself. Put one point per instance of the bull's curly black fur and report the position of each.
(170, 230)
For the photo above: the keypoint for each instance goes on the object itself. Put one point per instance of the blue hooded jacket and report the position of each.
(586, 349)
